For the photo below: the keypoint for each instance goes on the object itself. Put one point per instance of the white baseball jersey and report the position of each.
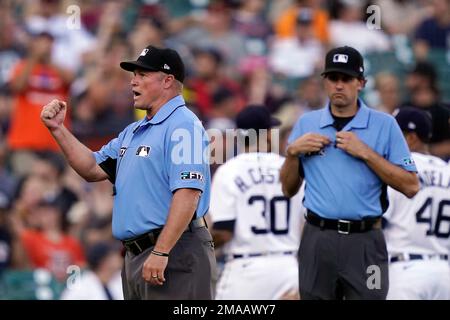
(247, 189)
(421, 226)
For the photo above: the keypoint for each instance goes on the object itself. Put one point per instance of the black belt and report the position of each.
(343, 226)
(141, 243)
(261, 254)
(408, 257)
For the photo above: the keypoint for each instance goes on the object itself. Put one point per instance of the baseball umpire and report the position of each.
(159, 199)
(348, 154)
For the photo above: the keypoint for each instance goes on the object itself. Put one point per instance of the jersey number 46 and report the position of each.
(442, 207)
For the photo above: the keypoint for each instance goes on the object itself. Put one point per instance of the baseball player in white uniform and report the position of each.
(418, 229)
(258, 227)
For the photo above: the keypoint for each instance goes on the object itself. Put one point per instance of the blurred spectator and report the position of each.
(402, 16)
(298, 56)
(422, 75)
(286, 24)
(434, 32)
(214, 29)
(5, 112)
(90, 15)
(10, 48)
(34, 82)
(422, 88)
(388, 88)
(5, 235)
(256, 84)
(102, 280)
(67, 31)
(220, 121)
(223, 105)
(47, 246)
(8, 181)
(49, 168)
(349, 29)
(147, 31)
(308, 97)
(110, 26)
(102, 110)
(250, 22)
(310, 94)
(208, 78)
(91, 219)
(29, 194)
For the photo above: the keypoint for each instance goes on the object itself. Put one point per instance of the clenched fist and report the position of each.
(53, 114)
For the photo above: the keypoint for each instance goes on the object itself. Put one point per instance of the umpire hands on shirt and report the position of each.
(348, 154)
(159, 201)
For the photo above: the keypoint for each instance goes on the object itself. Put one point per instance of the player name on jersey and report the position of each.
(255, 176)
(432, 178)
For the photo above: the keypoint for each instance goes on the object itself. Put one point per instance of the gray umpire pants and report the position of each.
(342, 266)
(189, 272)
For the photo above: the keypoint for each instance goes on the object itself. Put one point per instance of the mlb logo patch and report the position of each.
(340, 58)
(143, 151)
(191, 175)
(122, 151)
(144, 52)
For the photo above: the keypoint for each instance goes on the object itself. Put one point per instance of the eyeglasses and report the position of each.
(335, 77)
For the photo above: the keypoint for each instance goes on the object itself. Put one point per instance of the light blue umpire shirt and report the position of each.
(338, 185)
(153, 158)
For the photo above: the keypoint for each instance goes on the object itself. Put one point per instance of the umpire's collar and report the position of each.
(360, 120)
(166, 110)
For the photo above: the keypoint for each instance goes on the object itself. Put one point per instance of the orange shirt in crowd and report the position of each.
(53, 256)
(286, 23)
(26, 130)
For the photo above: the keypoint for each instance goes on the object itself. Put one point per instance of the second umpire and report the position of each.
(347, 153)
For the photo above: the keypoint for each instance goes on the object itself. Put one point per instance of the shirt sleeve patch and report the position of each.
(191, 175)
(408, 161)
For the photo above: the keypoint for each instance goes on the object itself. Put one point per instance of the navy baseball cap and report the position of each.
(412, 119)
(157, 59)
(98, 252)
(345, 60)
(256, 117)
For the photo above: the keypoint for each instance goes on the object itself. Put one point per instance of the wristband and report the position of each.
(158, 253)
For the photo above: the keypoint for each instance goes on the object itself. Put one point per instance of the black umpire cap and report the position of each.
(345, 60)
(157, 59)
(256, 117)
(412, 119)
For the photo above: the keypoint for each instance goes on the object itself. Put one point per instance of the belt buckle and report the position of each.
(343, 222)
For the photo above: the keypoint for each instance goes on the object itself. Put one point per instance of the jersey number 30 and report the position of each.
(271, 208)
(440, 217)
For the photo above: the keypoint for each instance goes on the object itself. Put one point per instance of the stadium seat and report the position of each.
(36, 284)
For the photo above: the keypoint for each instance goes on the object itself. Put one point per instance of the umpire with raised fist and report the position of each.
(348, 154)
(161, 183)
